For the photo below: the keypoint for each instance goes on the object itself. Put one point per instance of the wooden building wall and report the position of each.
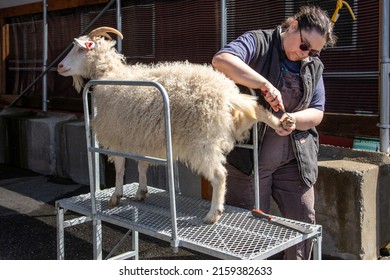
(191, 30)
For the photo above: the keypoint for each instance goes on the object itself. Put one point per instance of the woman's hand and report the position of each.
(301, 120)
(273, 96)
(288, 125)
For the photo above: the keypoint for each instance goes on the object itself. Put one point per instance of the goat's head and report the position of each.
(76, 62)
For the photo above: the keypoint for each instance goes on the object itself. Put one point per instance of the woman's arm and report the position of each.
(304, 120)
(241, 73)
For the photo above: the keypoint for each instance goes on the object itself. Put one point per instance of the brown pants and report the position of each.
(294, 199)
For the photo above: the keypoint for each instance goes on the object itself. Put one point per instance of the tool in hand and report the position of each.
(260, 214)
(264, 93)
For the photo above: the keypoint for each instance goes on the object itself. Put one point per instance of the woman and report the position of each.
(283, 64)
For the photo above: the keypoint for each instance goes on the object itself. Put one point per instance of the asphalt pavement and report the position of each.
(28, 225)
(28, 222)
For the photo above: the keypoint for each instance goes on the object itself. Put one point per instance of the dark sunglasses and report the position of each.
(303, 47)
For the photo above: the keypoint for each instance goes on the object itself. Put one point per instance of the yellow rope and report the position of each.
(339, 5)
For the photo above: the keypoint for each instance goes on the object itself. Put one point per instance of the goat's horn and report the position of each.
(103, 31)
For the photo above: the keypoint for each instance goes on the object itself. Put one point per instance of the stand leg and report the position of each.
(60, 234)
(135, 244)
(97, 240)
(317, 247)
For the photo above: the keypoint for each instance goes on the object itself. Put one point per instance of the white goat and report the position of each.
(208, 113)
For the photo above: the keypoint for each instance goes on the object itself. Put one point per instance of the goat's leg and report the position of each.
(218, 182)
(263, 115)
(142, 191)
(119, 163)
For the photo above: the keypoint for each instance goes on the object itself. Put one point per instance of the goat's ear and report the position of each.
(90, 44)
(85, 44)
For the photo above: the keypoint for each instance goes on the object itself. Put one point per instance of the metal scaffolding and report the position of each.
(384, 68)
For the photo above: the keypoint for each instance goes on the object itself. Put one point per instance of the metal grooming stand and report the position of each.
(237, 235)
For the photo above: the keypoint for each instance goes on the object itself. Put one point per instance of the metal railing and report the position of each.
(94, 150)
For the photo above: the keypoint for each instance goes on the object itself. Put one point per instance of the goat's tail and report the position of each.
(244, 112)
(245, 104)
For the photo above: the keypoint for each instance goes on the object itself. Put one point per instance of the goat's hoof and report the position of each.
(114, 200)
(287, 121)
(212, 217)
(141, 195)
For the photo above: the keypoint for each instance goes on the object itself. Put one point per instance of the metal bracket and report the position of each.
(383, 125)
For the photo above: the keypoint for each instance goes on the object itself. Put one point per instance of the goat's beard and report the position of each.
(78, 83)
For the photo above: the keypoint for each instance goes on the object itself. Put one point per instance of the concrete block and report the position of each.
(72, 157)
(40, 142)
(346, 207)
(383, 197)
(10, 134)
(189, 183)
(382, 160)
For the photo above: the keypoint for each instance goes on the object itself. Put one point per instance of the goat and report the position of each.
(208, 113)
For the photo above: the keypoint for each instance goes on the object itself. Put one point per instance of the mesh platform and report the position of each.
(237, 235)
